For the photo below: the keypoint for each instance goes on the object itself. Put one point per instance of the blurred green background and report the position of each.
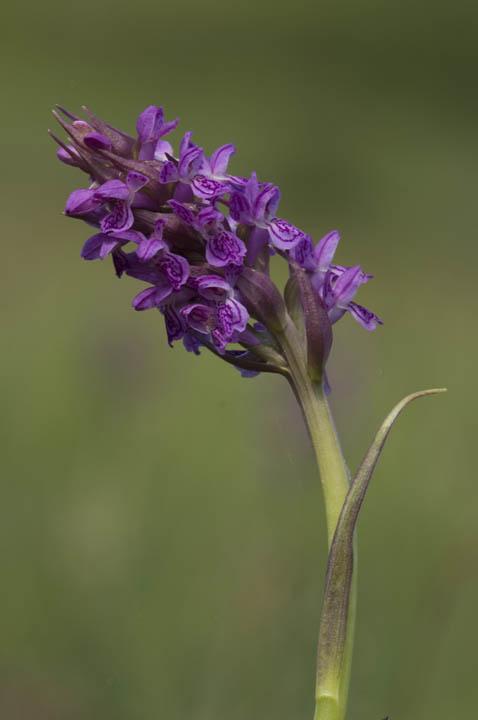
(162, 529)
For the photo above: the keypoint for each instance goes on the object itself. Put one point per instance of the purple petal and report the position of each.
(128, 235)
(91, 248)
(248, 373)
(185, 143)
(69, 155)
(335, 313)
(303, 253)
(209, 218)
(190, 162)
(208, 189)
(174, 325)
(219, 340)
(148, 248)
(183, 213)
(347, 285)
(239, 207)
(113, 190)
(338, 270)
(120, 218)
(192, 344)
(169, 173)
(176, 269)
(199, 317)
(136, 180)
(97, 141)
(220, 159)
(257, 239)
(366, 318)
(151, 297)
(120, 262)
(325, 250)
(108, 245)
(162, 150)
(233, 316)
(213, 287)
(238, 183)
(149, 124)
(168, 127)
(283, 234)
(224, 249)
(81, 202)
(251, 189)
(265, 204)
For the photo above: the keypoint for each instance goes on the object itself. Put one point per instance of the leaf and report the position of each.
(332, 651)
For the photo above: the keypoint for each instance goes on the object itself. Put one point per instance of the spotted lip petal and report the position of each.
(120, 217)
(199, 317)
(207, 189)
(213, 287)
(224, 248)
(176, 269)
(283, 234)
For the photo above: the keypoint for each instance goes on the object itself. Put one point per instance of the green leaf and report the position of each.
(332, 653)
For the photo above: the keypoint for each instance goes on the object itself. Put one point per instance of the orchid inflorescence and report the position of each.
(200, 237)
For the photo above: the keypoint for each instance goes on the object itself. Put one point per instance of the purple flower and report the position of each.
(223, 322)
(215, 168)
(148, 247)
(338, 291)
(188, 171)
(168, 273)
(207, 220)
(335, 284)
(151, 128)
(223, 248)
(117, 194)
(102, 244)
(256, 205)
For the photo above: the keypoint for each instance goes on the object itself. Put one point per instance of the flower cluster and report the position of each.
(198, 236)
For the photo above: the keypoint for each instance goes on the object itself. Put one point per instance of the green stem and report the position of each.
(332, 688)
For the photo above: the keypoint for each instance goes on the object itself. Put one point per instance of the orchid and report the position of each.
(201, 240)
